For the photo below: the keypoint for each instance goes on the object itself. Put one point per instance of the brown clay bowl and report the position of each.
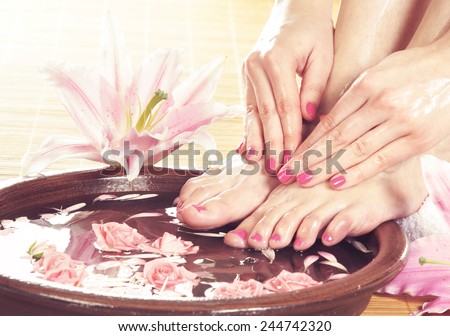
(346, 296)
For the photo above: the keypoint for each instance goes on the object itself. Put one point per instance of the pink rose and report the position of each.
(59, 267)
(71, 274)
(169, 244)
(287, 281)
(117, 237)
(239, 289)
(164, 274)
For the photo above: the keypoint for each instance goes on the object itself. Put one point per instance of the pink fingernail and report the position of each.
(199, 207)
(298, 242)
(304, 178)
(327, 237)
(311, 109)
(285, 175)
(272, 164)
(337, 181)
(238, 150)
(256, 236)
(276, 237)
(251, 151)
(286, 157)
(241, 233)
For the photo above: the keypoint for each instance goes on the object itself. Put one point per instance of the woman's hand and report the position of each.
(397, 109)
(297, 39)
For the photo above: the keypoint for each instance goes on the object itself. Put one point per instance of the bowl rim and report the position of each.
(388, 262)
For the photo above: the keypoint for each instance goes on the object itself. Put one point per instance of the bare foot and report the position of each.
(210, 201)
(292, 213)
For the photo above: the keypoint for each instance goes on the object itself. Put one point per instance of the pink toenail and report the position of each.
(298, 242)
(304, 178)
(337, 181)
(327, 237)
(199, 207)
(311, 110)
(241, 233)
(256, 236)
(276, 237)
(284, 176)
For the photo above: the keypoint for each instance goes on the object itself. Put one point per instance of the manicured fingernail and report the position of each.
(285, 175)
(298, 242)
(199, 207)
(337, 181)
(251, 151)
(241, 233)
(327, 237)
(272, 164)
(311, 109)
(256, 236)
(304, 178)
(276, 237)
(238, 150)
(286, 157)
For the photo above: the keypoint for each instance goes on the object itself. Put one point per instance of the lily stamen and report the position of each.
(423, 261)
(147, 116)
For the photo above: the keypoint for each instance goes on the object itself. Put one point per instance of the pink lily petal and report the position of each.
(190, 118)
(133, 166)
(436, 175)
(429, 279)
(56, 148)
(160, 70)
(200, 86)
(114, 60)
(91, 101)
(437, 306)
(201, 137)
(145, 214)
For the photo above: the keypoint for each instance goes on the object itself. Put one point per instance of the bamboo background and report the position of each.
(35, 31)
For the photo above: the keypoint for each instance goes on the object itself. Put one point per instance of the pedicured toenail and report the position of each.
(327, 237)
(337, 181)
(256, 236)
(304, 178)
(241, 233)
(276, 237)
(199, 207)
(284, 176)
(298, 242)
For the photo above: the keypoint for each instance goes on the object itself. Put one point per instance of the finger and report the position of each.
(353, 154)
(314, 79)
(253, 145)
(285, 90)
(352, 100)
(386, 157)
(266, 107)
(331, 146)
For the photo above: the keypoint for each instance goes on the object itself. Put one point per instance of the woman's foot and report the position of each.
(295, 214)
(210, 201)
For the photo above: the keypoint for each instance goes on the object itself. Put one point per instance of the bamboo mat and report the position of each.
(33, 32)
